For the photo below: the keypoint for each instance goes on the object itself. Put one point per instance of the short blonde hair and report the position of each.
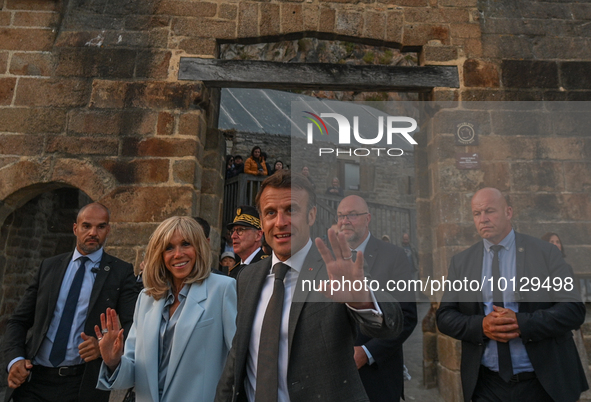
(157, 279)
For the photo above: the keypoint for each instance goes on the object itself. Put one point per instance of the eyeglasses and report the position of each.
(350, 217)
(239, 230)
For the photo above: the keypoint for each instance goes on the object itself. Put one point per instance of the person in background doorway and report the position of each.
(238, 164)
(255, 164)
(277, 167)
(335, 189)
(227, 261)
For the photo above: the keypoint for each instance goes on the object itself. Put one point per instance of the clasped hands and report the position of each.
(341, 268)
(501, 325)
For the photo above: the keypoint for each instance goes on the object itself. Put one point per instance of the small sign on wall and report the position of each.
(466, 134)
(467, 161)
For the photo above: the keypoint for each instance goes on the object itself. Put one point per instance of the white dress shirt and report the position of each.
(295, 262)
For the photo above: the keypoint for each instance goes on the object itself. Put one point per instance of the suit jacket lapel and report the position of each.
(151, 345)
(192, 312)
(250, 285)
(474, 272)
(99, 281)
(54, 288)
(371, 252)
(311, 268)
(519, 262)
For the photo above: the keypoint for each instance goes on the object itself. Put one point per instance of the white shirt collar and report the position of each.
(95, 257)
(251, 257)
(296, 261)
(363, 245)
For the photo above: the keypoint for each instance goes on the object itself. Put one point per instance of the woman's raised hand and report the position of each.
(110, 339)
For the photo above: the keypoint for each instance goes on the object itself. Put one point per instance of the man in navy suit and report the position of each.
(60, 360)
(517, 346)
(380, 361)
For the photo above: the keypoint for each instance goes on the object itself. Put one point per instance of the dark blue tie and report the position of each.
(503, 348)
(60, 343)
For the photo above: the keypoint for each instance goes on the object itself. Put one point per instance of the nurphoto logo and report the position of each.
(344, 131)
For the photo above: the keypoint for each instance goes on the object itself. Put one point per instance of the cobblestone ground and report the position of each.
(413, 359)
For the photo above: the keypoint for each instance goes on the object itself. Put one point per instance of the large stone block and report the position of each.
(248, 20)
(269, 19)
(479, 73)
(450, 384)
(420, 34)
(82, 145)
(349, 23)
(577, 176)
(197, 46)
(35, 19)
(82, 174)
(577, 206)
(429, 346)
(374, 25)
(529, 123)
(152, 64)
(190, 123)
(497, 175)
(470, 30)
(204, 27)
(146, 22)
(112, 122)
(3, 62)
(449, 351)
(575, 74)
(311, 17)
(186, 171)
(211, 209)
(508, 47)
(395, 26)
(52, 92)
(33, 5)
(292, 18)
(41, 64)
(327, 19)
(159, 147)
(125, 234)
(5, 18)
(32, 120)
(528, 207)
(165, 123)
(227, 11)
(95, 62)
(21, 145)
(537, 176)
(529, 74)
(26, 39)
(7, 90)
(451, 179)
(139, 171)
(149, 204)
(186, 8)
(149, 94)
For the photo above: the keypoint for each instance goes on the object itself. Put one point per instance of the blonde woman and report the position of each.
(184, 322)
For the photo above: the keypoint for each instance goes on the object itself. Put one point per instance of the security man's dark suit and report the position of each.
(383, 380)
(546, 319)
(115, 286)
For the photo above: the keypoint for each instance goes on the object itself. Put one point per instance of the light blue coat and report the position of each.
(202, 339)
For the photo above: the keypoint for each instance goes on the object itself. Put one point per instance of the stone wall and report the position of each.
(89, 99)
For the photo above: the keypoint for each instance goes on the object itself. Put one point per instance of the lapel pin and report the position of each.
(310, 269)
(107, 268)
(520, 249)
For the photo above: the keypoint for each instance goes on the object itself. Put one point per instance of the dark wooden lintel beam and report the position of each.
(344, 77)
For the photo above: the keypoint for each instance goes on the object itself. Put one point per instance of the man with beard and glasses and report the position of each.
(60, 360)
